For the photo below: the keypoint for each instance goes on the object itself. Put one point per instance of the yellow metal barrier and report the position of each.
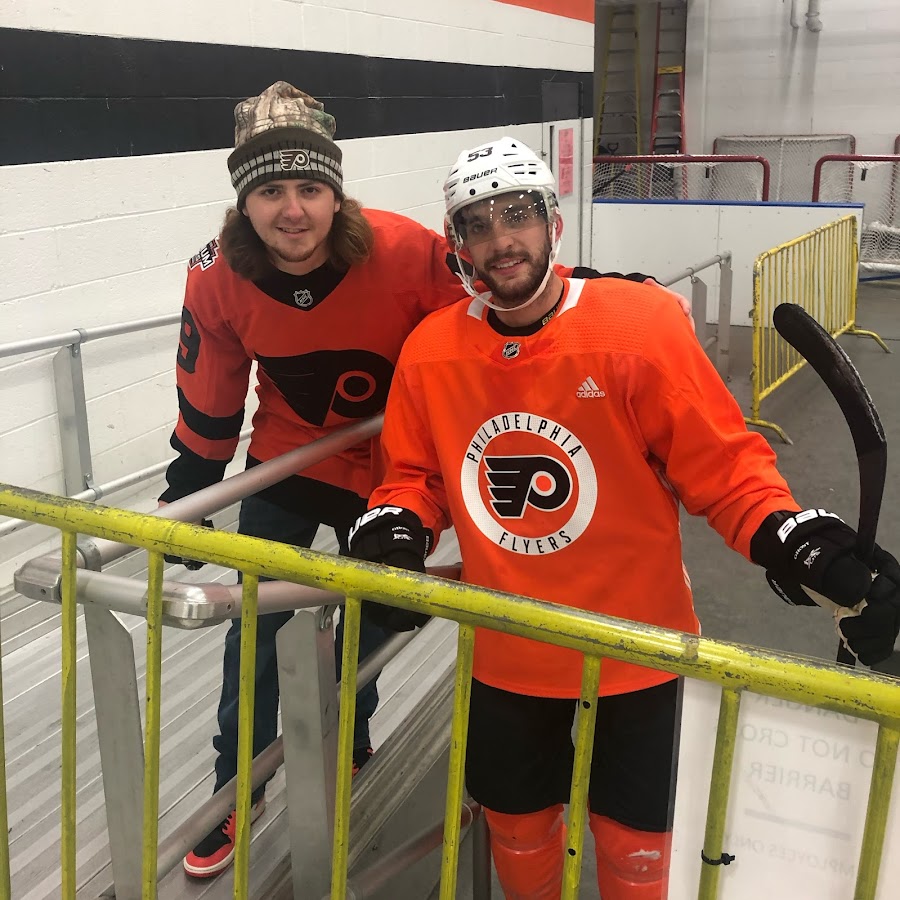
(246, 699)
(586, 719)
(67, 726)
(736, 668)
(720, 782)
(817, 271)
(341, 854)
(152, 727)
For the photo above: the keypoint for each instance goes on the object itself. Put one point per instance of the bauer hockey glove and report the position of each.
(814, 548)
(395, 537)
(190, 564)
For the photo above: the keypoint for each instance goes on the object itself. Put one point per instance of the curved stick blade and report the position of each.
(834, 367)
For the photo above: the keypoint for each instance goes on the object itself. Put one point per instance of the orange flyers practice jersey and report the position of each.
(560, 458)
(323, 361)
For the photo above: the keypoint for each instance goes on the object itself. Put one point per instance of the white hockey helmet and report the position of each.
(494, 168)
(490, 170)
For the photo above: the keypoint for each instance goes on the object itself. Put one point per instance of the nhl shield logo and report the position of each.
(510, 350)
(293, 159)
(303, 299)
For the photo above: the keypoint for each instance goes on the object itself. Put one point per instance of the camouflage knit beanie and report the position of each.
(283, 133)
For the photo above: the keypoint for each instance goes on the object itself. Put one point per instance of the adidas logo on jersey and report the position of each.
(589, 389)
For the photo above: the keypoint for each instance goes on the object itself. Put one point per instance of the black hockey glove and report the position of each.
(190, 564)
(871, 635)
(395, 537)
(815, 548)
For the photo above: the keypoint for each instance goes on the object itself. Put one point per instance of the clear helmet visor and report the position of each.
(495, 217)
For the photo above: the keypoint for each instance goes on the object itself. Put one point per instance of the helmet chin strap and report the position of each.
(484, 297)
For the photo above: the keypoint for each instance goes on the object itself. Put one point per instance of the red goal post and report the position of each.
(874, 181)
(681, 177)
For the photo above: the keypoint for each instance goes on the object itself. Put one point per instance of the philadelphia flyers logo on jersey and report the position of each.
(528, 483)
(352, 384)
(516, 482)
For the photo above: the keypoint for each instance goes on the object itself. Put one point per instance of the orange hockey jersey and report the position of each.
(561, 457)
(325, 355)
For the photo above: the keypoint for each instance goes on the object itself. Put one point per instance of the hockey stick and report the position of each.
(834, 367)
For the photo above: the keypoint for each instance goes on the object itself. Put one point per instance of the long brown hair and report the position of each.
(350, 241)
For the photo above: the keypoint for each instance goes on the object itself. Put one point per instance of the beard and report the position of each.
(296, 256)
(524, 286)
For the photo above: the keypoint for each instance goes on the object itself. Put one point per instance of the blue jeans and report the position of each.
(259, 518)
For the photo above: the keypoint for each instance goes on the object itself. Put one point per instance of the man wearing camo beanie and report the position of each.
(320, 294)
(283, 133)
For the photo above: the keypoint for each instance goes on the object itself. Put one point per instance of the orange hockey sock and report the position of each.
(528, 852)
(631, 864)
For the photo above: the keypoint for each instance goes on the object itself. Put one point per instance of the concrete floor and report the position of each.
(733, 601)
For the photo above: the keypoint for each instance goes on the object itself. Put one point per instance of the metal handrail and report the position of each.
(184, 605)
(96, 553)
(691, 271)
(73, 339)
(110, 487)
(80, 335)
(722, 337)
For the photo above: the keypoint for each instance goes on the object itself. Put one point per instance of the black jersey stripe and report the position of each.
(76, 96)
(190, 472)
(213, 428)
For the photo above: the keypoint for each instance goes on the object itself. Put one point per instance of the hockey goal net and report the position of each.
(680, 178)
(791, 157)
(875, 182)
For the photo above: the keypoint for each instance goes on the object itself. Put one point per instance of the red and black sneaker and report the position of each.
(216, 851)
(361, 755)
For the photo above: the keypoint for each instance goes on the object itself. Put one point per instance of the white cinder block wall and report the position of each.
(86, 242)
(749, 72)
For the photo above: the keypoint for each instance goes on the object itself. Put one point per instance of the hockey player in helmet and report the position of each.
(502, 188)
(558, 424)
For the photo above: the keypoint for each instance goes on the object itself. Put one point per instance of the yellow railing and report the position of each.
(736, 668)
(817, 271)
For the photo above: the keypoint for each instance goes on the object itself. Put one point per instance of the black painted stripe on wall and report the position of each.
(70, 96)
